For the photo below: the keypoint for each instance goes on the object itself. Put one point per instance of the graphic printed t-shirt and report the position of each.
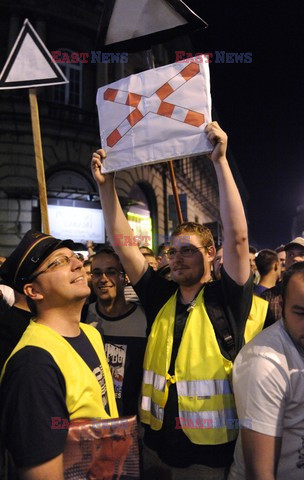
(124, 339)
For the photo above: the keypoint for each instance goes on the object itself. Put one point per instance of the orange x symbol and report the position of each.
(154, 104)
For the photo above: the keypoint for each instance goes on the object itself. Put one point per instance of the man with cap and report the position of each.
(58, 371)
(294, 253)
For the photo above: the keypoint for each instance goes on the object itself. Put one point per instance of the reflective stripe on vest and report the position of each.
(151, 378)
(210, 419)
(149, 406)
(215, 418)
(202, 375)
(203, 388)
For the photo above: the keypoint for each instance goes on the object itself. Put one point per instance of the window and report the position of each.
(70, 93)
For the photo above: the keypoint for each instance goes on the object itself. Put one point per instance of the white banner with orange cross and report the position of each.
(156, 115)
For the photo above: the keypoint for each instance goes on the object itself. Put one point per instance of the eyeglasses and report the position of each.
(109, 273)
(186, 252)
(60, 261)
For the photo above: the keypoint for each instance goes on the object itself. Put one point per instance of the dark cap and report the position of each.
(297, 242)
(33, 249)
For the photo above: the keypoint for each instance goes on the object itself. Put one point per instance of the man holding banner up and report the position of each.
(187, 403)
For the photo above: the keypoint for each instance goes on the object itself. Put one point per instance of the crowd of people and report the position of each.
(204, 344)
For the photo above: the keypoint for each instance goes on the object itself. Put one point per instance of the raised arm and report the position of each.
(118, 228)
(235, 244)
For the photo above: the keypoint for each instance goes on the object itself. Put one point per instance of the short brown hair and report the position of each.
(195, 229)
(265, 260)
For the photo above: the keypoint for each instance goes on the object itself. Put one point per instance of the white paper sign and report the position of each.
(79, 224)
(156, 115)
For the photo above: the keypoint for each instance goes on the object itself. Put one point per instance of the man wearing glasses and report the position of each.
(187, 404)
(58, 371)
(123, 327)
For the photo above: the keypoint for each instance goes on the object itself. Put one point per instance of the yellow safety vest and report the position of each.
(256, 318)
(83, 392)
(207, 412)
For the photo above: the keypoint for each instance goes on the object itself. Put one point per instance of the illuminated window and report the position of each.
(141, 225)
(139, 214)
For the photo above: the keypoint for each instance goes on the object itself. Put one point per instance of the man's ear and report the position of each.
(211, 252)
(32, 292)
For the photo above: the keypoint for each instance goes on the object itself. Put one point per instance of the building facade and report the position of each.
(70, 133)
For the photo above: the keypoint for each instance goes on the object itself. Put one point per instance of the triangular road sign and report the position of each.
(30, 64)
(134, 25)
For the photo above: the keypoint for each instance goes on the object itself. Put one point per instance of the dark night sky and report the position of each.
(260, 105)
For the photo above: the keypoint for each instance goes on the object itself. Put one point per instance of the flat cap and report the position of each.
(298, 241)
(33, 249)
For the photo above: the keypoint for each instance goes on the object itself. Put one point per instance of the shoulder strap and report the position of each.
(214, 305)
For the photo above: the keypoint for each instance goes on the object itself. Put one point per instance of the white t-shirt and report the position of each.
(268, 381)
(8, 294)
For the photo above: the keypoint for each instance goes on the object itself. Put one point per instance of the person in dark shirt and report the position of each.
(187, 400)
(122, 325)
(58, 371)
(294, 253)
(13, 323)
(269, 268)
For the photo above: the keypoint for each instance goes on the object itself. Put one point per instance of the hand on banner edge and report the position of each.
(219, 139)
(96, 164)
